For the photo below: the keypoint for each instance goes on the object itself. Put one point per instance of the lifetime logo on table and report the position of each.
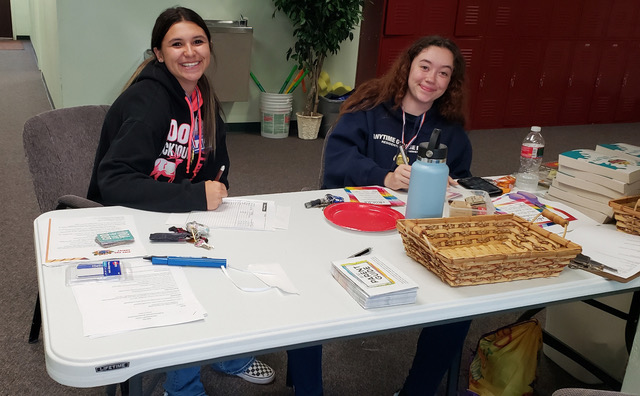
(113, 366)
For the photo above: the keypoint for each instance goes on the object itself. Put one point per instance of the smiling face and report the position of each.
(428, 79)
(186, 52)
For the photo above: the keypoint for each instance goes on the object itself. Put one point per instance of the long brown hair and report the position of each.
(211, 106)
(393, 85)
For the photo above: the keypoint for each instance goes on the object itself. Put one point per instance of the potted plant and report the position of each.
(319, 28)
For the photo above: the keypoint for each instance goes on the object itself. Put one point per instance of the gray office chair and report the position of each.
(60, 146)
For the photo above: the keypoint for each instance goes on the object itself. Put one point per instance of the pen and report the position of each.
(362, 252)
(219, 175)
(403, 153)
(187, 261)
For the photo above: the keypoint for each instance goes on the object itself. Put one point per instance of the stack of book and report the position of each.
(588, 179)
(373, 282)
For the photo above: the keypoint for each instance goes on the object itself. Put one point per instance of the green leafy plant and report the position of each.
(319, 28)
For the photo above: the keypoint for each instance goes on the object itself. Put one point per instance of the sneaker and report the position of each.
(258, 373)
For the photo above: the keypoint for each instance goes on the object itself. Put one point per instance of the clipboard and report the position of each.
(611, 276)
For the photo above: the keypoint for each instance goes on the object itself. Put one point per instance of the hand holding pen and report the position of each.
(215, 190)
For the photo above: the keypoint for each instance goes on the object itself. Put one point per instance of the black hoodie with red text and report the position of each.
(147, 157)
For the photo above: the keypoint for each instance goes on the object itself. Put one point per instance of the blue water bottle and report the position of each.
(429, 180)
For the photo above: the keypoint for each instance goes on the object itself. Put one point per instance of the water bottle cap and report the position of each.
(428, 153)
(536, 129)
(432, 150)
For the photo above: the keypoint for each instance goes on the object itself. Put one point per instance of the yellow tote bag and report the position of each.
(505, 360)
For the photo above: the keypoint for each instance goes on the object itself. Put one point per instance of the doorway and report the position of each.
(6, 29)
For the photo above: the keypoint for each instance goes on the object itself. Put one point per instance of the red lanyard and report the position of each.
(406, 146)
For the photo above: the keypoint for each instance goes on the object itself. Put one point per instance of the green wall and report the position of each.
(87, 49)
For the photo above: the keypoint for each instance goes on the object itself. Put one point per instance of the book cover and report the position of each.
(613, 184)
(625, 150)
(613, 166)
(374, 282)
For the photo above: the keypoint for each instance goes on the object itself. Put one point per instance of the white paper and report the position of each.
(370, 197)
(610, 247)
(73, 239)
(280, 220)
(155, 295)
(274, 276)
(246, 214)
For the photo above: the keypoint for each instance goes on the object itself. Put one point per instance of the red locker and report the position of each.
(488, 109)
(608, 83)
(580, 83)
(628, 108)
(524, 82)
(623, 18)
(472, 17)
(595, 15)
(552, 81)
(438, 17)
(390, 48)
(402, 17)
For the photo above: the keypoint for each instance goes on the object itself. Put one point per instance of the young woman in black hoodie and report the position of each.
(161, 149)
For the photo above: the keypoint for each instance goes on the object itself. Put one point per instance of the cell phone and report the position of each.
(478, 183)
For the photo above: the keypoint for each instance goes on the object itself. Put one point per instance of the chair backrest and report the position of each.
(324, 148)
(60, 146)
(587, 392)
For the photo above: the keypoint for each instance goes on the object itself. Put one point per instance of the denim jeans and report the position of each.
(186, 382)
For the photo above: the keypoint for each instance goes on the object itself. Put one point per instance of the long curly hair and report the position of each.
(393, 85)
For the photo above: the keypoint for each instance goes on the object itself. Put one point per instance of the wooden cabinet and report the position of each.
(543, 62)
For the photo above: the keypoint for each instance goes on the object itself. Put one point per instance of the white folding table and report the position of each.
(241, 323)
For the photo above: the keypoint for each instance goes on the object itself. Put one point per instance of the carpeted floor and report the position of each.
(11, 45)
(374, 365)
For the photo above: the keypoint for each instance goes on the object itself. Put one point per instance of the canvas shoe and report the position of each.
(258, 373)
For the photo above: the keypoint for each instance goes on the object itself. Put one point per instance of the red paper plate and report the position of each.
(362, 217)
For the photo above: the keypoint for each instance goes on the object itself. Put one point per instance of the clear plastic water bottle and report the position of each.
(530, 159)
(429, 180)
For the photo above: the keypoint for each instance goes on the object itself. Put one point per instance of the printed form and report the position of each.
(155, 295)
(245, 214)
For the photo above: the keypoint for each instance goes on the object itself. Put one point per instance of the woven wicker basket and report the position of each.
(626, 213)
(476, 250)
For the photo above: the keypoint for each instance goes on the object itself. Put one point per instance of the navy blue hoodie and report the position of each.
(361, 148)
(142, 157)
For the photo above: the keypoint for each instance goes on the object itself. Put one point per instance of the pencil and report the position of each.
(288, 79)
(295, 85)
(219, 175)
(255, 80)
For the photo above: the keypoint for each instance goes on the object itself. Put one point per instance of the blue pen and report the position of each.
(188, 261)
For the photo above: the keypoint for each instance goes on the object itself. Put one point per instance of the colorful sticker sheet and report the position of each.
(373, 195)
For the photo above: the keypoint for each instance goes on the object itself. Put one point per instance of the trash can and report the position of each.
(329, 108)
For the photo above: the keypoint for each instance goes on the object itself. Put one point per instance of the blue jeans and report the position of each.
(186, 382)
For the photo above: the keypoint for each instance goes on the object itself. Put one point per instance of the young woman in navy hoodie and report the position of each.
(161, 149)
(380, 125)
